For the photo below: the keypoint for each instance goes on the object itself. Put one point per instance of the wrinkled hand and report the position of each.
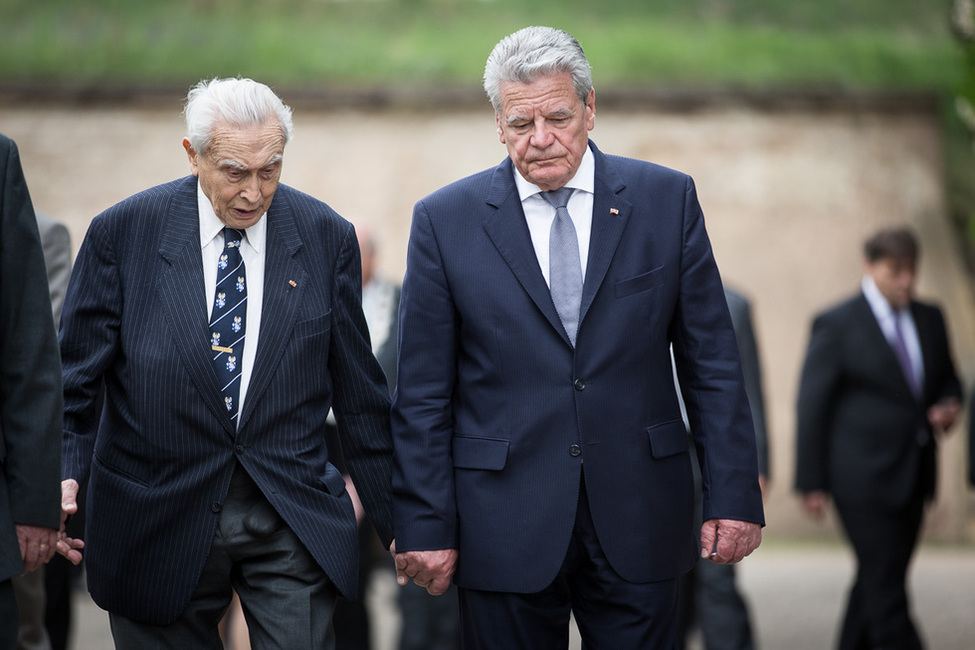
(727, 541)
(431, 570)
(69, 547)
(37, 545)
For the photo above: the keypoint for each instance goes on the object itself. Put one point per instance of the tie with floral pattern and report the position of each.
(228, 319)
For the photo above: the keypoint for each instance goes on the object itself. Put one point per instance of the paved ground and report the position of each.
(797, 591)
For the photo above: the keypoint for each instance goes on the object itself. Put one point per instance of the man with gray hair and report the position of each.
(222, 314)
(541, 459)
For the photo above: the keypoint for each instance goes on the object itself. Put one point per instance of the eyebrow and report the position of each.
(558, 113)
(233, 164)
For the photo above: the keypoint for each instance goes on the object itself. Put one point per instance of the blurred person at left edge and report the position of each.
(30, 395)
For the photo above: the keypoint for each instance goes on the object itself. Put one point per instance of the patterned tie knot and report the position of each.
(232, 237)
(558, 198)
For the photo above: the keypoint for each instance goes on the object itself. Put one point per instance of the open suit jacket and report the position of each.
(496, 415)
(30, 374)
(858, 423)
(161, 458)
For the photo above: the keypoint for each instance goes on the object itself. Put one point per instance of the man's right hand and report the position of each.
(69, 547)
(431, 570)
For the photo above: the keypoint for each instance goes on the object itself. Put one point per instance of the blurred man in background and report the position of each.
(878, 389)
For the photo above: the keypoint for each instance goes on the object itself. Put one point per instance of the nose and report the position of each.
(541, 134)
(250, 189)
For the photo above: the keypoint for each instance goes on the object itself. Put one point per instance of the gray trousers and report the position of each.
(287, 599)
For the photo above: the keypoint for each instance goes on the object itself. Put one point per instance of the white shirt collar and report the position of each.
(211, 226)
(584, 179)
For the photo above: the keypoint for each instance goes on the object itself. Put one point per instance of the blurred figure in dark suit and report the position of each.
(30, 395)
(30, 588)
(710, 598)
(878, 388)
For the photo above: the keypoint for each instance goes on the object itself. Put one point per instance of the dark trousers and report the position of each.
(287, 599)
(711, 600)
(9, 620)
(878, 611)
(612, 614)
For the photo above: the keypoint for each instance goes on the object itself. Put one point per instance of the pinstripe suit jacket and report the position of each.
(495, 413)
(161, 457)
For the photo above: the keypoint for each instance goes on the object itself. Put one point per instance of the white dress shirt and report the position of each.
(252, 251)
(539, 213)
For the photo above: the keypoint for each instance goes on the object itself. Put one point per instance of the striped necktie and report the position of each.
(228, 319)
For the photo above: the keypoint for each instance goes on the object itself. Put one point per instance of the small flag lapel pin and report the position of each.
(292, 283)
(614, 211)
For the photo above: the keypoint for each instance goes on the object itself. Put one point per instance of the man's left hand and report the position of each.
(727, 541)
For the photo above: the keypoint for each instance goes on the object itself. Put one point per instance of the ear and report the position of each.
(591, 110)
(192, 155)
(497, 121)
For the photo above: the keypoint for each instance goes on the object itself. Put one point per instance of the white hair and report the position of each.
(535, 52)
(238, 102)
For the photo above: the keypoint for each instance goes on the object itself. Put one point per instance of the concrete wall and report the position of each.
(790, 189)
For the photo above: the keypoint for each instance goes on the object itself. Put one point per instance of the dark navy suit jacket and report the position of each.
(496, 416)
(161, 458)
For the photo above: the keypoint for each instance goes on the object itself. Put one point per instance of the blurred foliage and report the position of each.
(876, 43)
(960, 132)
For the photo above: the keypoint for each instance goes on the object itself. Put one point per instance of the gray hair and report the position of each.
(239, 102)
(535, 52)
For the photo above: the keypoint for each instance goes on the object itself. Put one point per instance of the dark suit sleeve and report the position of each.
(361, 399)
(818, 383)
(426, 509)
(30, 381)
(708, 369)
(89, 344)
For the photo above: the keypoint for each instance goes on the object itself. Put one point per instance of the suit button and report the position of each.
(216, 507)
(239, 449)
(579, 384)
(575, 450)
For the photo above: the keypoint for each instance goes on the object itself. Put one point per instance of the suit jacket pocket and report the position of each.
(668, 438)
(332, 481)
(480, 453)
(642, 282)
(313, 326)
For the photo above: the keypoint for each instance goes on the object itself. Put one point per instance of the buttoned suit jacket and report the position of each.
(161, 458)
(862, 435)
(30, 372)
(496, 416)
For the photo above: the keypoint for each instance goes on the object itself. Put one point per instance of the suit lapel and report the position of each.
(508, 231)
(285, 280)
(610, 213)
(880, 340)
(181, 290)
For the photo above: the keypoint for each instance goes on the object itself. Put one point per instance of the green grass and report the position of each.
(875, 43)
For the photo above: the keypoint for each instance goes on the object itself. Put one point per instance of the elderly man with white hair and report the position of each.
(221, 313)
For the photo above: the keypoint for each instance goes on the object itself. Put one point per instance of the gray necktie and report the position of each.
(565, 268)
